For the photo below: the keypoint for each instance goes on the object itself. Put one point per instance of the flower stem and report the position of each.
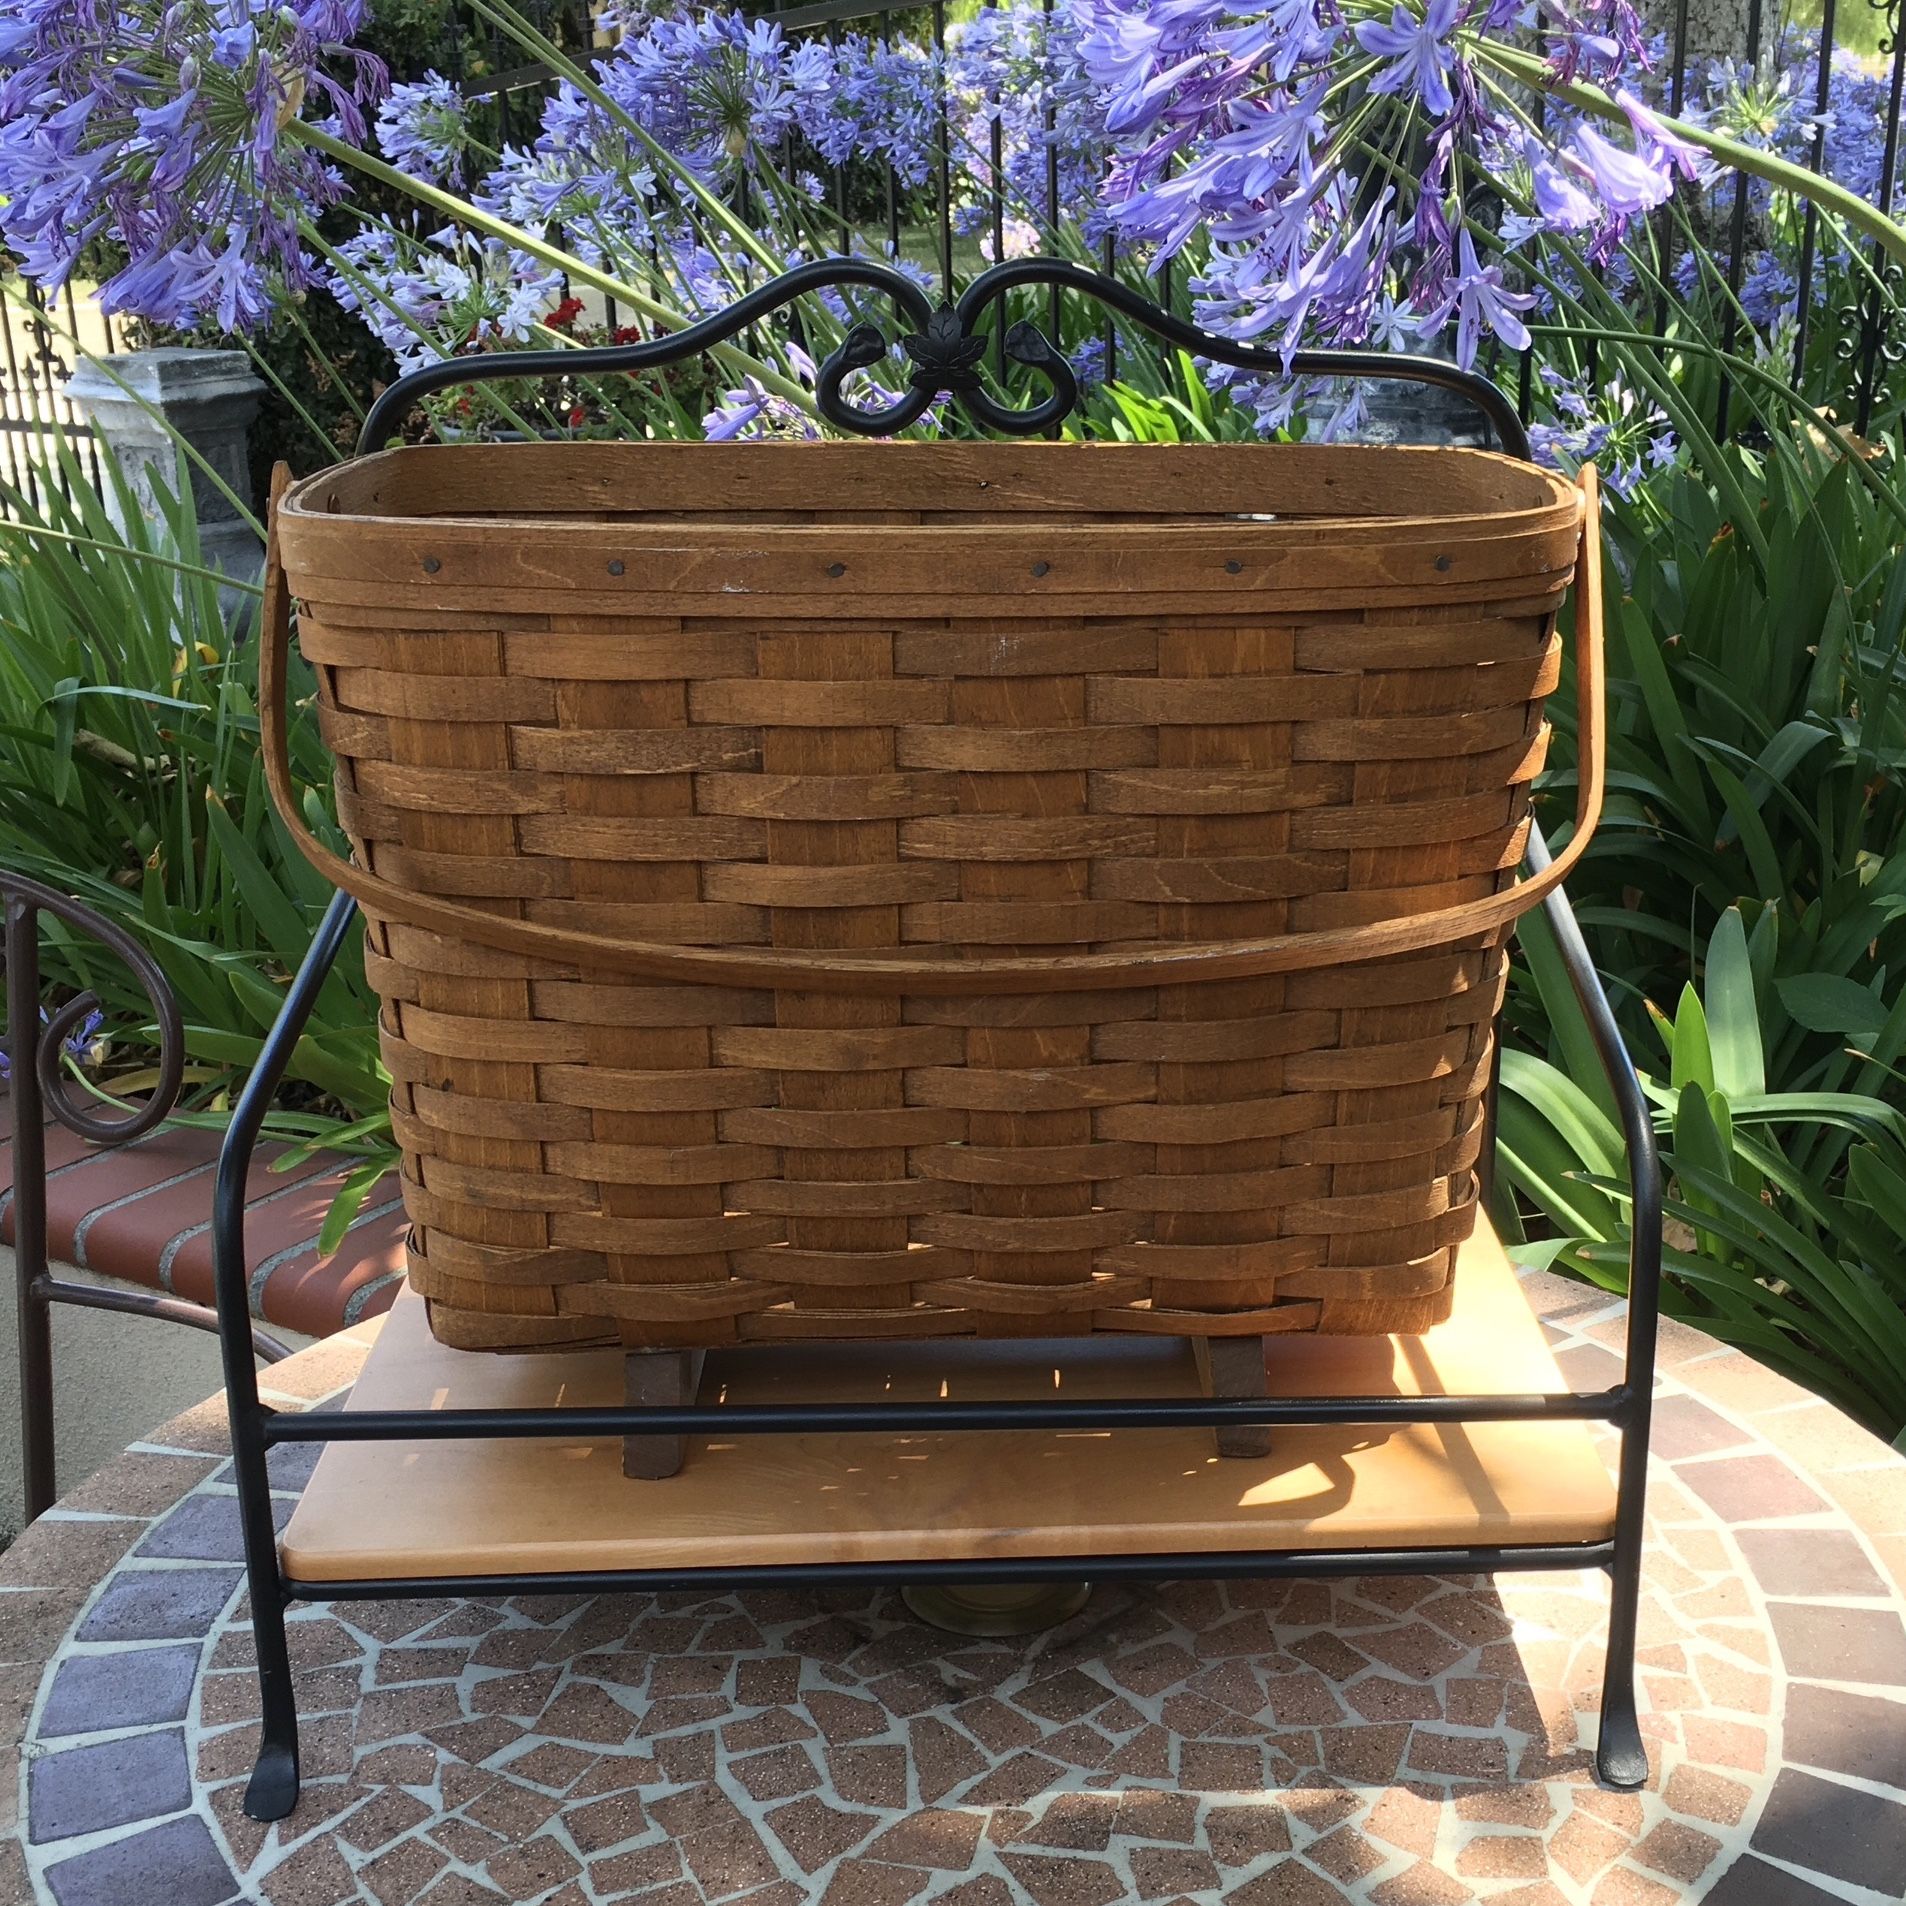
(1888, 233)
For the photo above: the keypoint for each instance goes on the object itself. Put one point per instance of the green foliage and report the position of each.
(318, 363)
(1783, 1214)
(1746, 903)
(130, 778)
(1757, 735)
(1180, 410)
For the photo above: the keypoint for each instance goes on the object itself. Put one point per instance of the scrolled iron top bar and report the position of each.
(946, 350)
(27, 897)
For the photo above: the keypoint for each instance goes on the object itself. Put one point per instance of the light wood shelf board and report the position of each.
(386, 1510)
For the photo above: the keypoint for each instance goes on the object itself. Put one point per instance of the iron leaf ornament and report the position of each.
(946, 357)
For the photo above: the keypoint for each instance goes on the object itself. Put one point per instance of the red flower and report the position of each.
(565, 314)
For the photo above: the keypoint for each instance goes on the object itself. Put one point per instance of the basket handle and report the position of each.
(836, 972)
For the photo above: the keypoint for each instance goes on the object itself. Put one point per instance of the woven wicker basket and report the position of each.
(827, 891)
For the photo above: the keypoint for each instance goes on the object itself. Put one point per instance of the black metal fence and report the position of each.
(40, 338)
(1767, 39)
(485, 63)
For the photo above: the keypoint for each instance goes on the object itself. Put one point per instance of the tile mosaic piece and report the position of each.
(158, 1604)
(87, 1789)
(179, 1863)
(1379, 1742)
(130, 1687)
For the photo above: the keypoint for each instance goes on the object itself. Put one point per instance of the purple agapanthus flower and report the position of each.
(435, 295)
(424, 128)
(169, 127)
(1620, 428)
(1238, 135)
(228, 284)
(1417, 52)
(1324, 167)
(1560, 202)
(1664, 150)
(81, 1047)
(1133, 58)
(1025, 118)
(1478, 299)
(717, 89)
(882, 102)
(1625, 182)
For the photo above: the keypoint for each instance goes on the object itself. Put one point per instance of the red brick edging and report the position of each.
(142, 1213)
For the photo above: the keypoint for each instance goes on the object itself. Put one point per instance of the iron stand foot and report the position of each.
(1621, 1757)
(273, 1789)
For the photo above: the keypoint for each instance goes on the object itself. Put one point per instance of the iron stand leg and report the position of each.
(1621, 1756)
(29, 1204)
(273, 1791)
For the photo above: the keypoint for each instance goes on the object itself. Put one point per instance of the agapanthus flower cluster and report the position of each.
(1324, 171)
(882, 102)
(1623, 430)
(728, 100)
(424, 295)
(1331, 153)
(424, 128)
(1773, 109)
(586, 180)
(167, 128)
(1015, 82)
(717, 90)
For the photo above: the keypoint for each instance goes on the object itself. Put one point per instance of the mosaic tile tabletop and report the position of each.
(1395, 1742)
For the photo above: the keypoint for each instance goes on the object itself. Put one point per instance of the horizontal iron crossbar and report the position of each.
(1257, 1564)
(136, 1303)
(440, 1426)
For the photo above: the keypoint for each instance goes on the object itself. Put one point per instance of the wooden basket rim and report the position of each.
(860, 478)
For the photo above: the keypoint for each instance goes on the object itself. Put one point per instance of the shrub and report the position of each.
(130, 778)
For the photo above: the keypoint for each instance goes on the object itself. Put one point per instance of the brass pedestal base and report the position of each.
(997, 1610)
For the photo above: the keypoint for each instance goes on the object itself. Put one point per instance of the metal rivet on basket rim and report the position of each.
(615, 568)
(1042, 569)
(837, 569)
(1234, 567)
(1443, 562)
(431, 565)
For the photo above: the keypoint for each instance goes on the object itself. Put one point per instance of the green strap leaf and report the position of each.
(1733, 1017)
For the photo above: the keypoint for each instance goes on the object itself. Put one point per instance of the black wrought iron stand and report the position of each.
(945, 362)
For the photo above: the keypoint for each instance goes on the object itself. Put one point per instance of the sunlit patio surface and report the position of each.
(1406, 1742)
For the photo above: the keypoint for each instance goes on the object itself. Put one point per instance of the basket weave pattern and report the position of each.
(632, 725)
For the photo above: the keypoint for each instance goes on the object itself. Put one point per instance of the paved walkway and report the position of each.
(1402, 1743)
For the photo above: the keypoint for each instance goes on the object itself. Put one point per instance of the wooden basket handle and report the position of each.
(842, 972)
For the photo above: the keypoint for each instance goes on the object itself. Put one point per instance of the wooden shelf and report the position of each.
(380, 1511)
